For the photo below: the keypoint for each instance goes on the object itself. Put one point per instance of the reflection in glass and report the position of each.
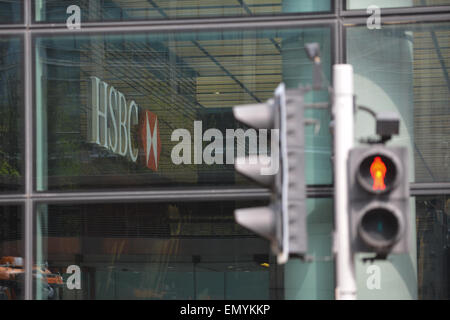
(12, 269)
(152, 251)
(123, 10)
(155, 109)
(314, 279)
(433, 247)
(10, 11)
(11, 111)
(404, 69)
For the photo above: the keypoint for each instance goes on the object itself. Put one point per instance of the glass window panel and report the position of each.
(405, 68)
(11, 115)
(174, 93)
(176, 250)
(364, 4)
(150, 251)
(123, 10)
(10, 11)
(314, 280)
(433, 247)
(12, 269)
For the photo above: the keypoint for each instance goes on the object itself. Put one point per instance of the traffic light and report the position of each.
(379, 199)
(283, 222)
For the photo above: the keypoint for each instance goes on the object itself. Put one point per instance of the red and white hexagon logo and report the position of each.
(151, 142)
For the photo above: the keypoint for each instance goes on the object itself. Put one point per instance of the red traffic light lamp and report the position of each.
(378, 172)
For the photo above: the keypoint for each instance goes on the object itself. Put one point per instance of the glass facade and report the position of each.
(433, 246)
(12, 268)
(11, 11)
(11, 114)
(152, 251)
(412, 80)
(176, 250)
(118, 140)
(404, 69)
(122, 10)
(92, 114)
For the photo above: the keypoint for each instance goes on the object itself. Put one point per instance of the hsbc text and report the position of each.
(111, 119)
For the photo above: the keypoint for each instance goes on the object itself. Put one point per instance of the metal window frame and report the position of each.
(338, 19)
(28, 118)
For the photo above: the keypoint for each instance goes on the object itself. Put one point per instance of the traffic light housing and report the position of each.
(283, 222)
(379, 199)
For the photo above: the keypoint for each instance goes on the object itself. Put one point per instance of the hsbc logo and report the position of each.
(149, 130)
(122, 127)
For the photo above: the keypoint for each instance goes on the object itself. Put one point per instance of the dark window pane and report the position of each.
(363, 4)
(405, 68)
(175, 250)
(12, 269)
(95, 10)
(151, 251)
(10, 11)
(433, 247)
(11, 111)
(164, 102)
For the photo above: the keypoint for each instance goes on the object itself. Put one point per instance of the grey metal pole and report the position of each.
(343, 142)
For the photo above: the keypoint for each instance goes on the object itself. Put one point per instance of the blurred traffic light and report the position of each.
(283, 222)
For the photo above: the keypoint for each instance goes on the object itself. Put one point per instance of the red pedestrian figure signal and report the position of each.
(378, 172)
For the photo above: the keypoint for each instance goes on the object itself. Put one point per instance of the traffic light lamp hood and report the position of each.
(260, 115)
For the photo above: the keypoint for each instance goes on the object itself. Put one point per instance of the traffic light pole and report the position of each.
(343, 141)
